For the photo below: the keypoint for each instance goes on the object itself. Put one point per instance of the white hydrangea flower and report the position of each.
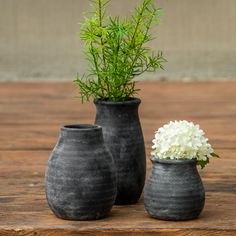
(181, 140)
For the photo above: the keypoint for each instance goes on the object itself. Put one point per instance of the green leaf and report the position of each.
(203, 163)
(215, 155)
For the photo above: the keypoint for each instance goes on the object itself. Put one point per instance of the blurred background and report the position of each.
(39, 40)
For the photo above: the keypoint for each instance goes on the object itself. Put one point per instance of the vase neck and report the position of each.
(181, 165)
(120, 111)
(84, 134)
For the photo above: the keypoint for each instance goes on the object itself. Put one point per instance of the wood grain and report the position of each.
(30, 117)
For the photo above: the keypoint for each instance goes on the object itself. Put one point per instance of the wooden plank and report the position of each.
(44, 137)
(166, 232)
(31, 115)
(24, 208)
(161, 92)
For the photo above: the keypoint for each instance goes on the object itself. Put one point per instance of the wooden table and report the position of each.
(31, 115)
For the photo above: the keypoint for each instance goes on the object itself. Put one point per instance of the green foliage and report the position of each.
(203, 163)
(117, 51)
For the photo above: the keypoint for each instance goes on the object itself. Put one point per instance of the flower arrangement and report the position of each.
(181, 140)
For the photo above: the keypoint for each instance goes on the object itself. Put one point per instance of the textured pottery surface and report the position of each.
(174, 190)
(123, 136)
(81, 175)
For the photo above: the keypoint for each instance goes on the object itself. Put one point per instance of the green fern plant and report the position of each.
(116, 49)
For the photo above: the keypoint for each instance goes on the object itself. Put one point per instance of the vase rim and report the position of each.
(80, 127)
(169, 161)
(130, 101)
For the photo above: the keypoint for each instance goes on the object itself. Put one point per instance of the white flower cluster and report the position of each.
(181, 140)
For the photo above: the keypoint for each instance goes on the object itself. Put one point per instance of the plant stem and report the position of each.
(146, 33)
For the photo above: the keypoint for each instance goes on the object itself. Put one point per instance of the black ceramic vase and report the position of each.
(81, 175)
(174, 190)
(123, 136)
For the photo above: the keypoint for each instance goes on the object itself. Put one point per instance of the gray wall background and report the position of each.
(39, 38)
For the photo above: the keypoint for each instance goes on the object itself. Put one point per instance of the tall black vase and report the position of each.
(123, 136)
(81, 176)
(174, 190)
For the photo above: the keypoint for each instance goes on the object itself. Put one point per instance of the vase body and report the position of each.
(123, 136)
(174, 190)
(81, 175)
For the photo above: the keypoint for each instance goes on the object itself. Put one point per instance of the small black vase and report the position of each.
(81, 175)
(174, 190)
(123, 136)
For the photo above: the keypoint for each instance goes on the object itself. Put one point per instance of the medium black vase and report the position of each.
(123, 136)
(174, 190)
(81, 175)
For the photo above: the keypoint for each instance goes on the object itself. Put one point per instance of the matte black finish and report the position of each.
(81, 176)
(123, 136)
(174, 190)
